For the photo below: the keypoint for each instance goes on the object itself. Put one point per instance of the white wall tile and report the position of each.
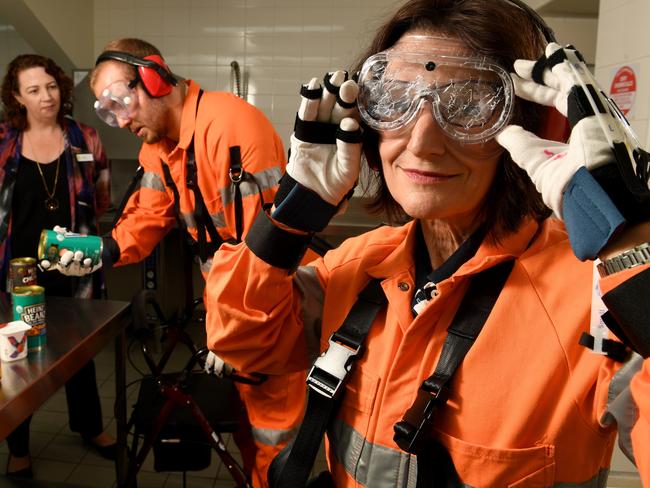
(206, 76)
(148, 22)
(204, 21)
(231, 48)
(121, 23)
(176, 22)
(259, 50)
(231, 20)
(202, 50)
(259, 20)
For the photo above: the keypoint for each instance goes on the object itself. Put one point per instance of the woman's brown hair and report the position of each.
(14, 112)
(499, 30)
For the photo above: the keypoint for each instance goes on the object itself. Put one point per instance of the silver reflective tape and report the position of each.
(218, 219)
(273, 437)
(153, 181)
(266, 179)
(311, 307)
(189, 220)
(621, 407)
(378, 466)
(205, 267)
(370, 464)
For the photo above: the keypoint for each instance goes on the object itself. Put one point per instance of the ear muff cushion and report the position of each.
(153, 81)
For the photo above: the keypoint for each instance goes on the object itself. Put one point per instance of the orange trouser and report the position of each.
(274, 411)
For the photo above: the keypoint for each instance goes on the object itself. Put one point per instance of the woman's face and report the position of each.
(39, 93)
(431, 175)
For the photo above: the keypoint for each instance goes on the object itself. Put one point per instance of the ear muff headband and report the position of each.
(156, 77)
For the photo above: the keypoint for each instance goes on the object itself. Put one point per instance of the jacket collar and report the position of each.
(188, 115)
(402, 256)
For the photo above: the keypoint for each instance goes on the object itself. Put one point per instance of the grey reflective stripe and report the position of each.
(378, 466)
(598, 481)
(311, 308)
(621, 407)
(188, 218)
(218, 220)
(205, 267)
(153, 181)
(370, 464)
(273, 437)
(265, 179)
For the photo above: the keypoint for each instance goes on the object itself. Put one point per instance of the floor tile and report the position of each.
(92, 476)
(52, 470)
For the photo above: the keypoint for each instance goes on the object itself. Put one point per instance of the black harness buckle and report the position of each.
(412, 432)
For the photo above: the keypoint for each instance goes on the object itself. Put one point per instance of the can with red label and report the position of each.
(22, 272)
(28, 304)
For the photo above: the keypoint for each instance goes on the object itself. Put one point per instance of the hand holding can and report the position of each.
(69, 253)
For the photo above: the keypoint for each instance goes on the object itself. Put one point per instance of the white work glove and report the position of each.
(216, 366)
(551, 165)
(569, 176)
(558, 82)
(325, 155)
(70, 263)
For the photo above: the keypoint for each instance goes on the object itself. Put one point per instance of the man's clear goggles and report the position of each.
(471, 98)
(117, 101)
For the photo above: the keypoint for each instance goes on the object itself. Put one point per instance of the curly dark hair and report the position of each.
(14, 112)
(497, 29)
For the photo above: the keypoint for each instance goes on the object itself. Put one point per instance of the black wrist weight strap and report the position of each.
(290, 469)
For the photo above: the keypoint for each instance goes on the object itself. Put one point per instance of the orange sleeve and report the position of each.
(148, 215)
(253, 315)
(262, 157)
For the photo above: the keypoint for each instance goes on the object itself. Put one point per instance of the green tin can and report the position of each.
(52, 243)
(28, 304)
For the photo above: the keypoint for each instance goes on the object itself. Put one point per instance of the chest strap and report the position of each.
(331, 370)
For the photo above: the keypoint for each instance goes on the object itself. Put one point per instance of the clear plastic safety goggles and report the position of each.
(471, 98)
(118, 100)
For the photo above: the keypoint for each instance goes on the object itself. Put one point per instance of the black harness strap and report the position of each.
(236, 174)
(127, 194)
(292, 466)
(412, 433)
(328, 375)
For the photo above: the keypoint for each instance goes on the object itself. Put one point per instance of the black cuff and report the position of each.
(629, 305)
(275, 246)
(110, 252)
(300, 208)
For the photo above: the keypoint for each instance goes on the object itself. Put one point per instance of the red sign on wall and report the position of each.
(623, 89)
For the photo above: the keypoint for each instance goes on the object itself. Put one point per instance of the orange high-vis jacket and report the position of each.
(223, 120)
(528, 406)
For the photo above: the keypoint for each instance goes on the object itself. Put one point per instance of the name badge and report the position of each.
(85, 157)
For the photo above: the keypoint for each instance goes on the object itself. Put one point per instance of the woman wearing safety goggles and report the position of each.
(457, 347)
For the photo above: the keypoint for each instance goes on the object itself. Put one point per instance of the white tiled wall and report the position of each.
(277, 43)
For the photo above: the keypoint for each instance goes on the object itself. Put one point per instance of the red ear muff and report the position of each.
(554, 126)
(155, 84)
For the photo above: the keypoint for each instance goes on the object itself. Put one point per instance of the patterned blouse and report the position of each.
(89, 188)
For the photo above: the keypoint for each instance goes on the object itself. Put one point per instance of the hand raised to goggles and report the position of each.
(323, 168)
(598, 182)
(70, 254)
